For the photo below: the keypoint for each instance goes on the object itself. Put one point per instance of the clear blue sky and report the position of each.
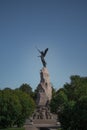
(60, 25)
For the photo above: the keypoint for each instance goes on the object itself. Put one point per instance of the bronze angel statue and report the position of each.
(43, 54)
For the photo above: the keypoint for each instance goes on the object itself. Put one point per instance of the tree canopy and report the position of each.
(70, 103)
(15, 107)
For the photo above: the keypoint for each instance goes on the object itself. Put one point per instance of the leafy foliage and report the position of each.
(70, 103)
(27, 89)
(10, 108)
(27, 104)
(58, 101)
(15, 107)
(14, 129)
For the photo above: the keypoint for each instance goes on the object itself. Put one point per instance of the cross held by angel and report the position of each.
(43, 54)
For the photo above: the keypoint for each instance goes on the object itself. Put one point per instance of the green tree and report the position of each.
(9, 108)
(53, 91)
(66, 116)
(15, 107)
(28, 106)
(58, 101)
(27, 89)
(72, 101)
(80, 114)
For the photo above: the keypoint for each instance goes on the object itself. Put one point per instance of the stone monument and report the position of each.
(44, 91)
(42, 115)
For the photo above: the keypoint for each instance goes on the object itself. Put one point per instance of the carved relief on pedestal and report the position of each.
(42, 113)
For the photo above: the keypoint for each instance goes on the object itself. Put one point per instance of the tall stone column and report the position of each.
(44, 88)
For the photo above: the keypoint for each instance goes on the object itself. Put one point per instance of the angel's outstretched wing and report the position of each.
(45, 51)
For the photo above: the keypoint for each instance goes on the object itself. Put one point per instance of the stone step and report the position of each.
(44, 121)
(30, 127)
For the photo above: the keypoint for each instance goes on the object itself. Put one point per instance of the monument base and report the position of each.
(42, 119)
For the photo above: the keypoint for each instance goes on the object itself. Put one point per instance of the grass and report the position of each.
(13, 129)
(19, 129)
